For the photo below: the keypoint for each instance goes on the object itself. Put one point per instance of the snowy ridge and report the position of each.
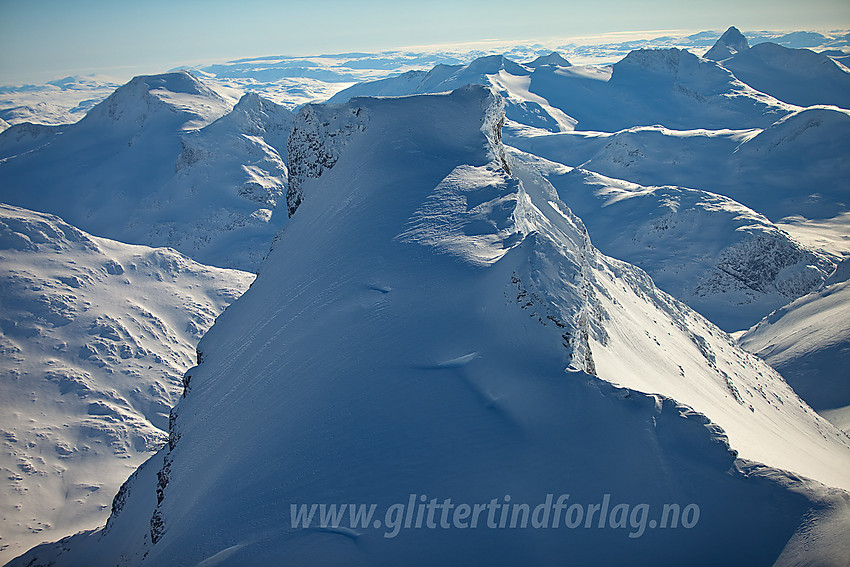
(553, 58)
(368, 354)
(98, 367)
(647, 87)
(724, 260)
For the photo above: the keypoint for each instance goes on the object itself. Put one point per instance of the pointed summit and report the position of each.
(553, 58)
(730, 43)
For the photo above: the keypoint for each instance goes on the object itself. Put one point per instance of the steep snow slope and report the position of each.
(22, 138)
(94, 338)
(163, 161)
(796, 76)
(409, 335)
(808, 341)
(724, 260)
(796, 166)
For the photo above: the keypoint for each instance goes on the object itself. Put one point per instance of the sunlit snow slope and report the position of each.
(94, 339)
(808, 341)
(434, 320)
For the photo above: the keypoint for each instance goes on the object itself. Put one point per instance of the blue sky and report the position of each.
(46, 39)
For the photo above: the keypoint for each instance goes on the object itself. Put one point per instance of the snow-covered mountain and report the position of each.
(671, 87)
(295, 80)
(434, 321)
(95, 337)
(163, 161)
(808, 341)
(797, 76)
(727, 45)
(508, 78)
(795, 166)
(737, 267)
(721, 258)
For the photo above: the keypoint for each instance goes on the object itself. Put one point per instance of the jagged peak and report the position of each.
(730, 43)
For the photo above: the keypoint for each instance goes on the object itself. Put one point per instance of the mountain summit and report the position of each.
(163, 161)
(730, 43)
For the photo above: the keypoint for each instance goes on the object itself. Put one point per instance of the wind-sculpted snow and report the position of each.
(94, 339)
(724, 260)
(434, 321)
(164, 161)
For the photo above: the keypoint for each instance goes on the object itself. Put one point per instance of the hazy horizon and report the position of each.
(43, 40)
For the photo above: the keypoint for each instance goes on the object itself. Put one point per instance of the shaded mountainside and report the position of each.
(95, 336)
(435, 321)
(163, 161)
(796, 76)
